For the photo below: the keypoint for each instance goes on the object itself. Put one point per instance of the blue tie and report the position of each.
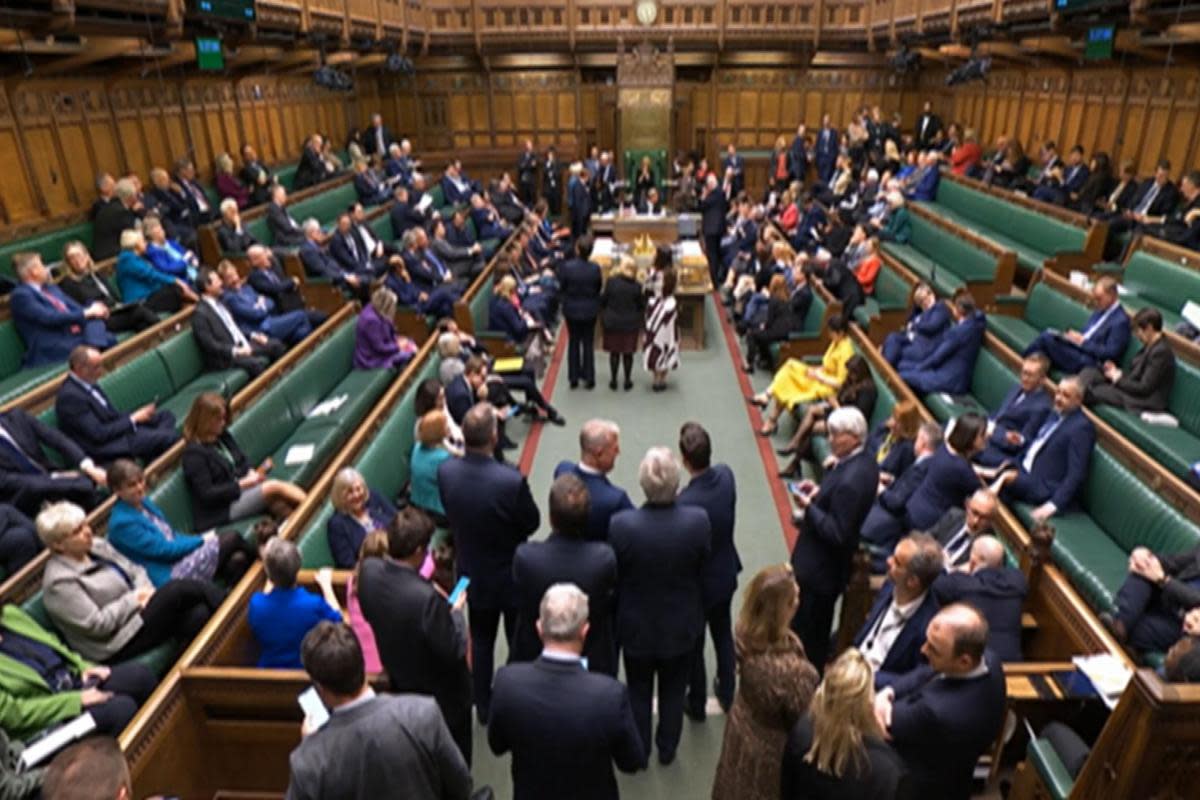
(437, 265)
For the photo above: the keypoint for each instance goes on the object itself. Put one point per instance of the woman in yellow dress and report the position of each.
(797, 382)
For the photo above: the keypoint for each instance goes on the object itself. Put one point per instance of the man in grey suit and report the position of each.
(371, 746)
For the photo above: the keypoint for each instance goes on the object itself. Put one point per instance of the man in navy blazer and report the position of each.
(27, 478)
(997, 590)
(404, 214)
(1104, 337)
(50, 323)
(369, 189)
(349, 251)
(884, 524)
(566, 556)
(798, 156)
(491, 512)
(1020, 415)
(949, 367)
(894, 632)
(579, 284)
(1053, 465)
(579, 201)
(713, 207)
(318, 263)
(377, 139)
(87, 415)
(1151, 205)
(829, 530)
(827, 149)
(256, 313)
(599, 446)
(712, 488)
(565, 724)
(929, 318)
(943, 716)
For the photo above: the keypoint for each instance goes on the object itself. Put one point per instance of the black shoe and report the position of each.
(507, 444)
(574, 385)
(695, 710)
(590, 385)
(786, 450)
(665, 758)
(613, 384)
(628, 385)
(748, 368)
(789, 471)
(554, 418)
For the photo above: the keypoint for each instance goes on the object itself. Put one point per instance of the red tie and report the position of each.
(59, 305)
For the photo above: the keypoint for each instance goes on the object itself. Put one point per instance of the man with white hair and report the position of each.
(231, 236)
(49, 322)
(830, 519)
(377, 137)
(994, 588)
(114, 218)
(564, 725)
(661, 551)
(319, 263)
(599, 446)
(285, 230)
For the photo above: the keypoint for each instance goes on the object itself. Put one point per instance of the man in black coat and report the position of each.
(712, 488)
(377, 139)
(421, 638)
(285, 230)
(661, 551)
(269, 280)
(19, 541)
(168, 200)
(552, 182)
(599, 446)
(994, 588)
(565, 725)
(943, 716)
(1156, 594)
(927, 127)
(579, 201)
(958, 528)
(403, 214)
(28, 479)
(713, 207)
(88, 416)
(491, 512)
(114, 219)
(527, 166)
(566, 556)
(832, 518)
(798, 155)
(579, 284)
(221, 341)
(1146, 385)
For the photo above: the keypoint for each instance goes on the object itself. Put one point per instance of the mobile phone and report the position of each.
(459, 588)
(313, 708)
(514, 409)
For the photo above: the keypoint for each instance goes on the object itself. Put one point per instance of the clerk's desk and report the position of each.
(663, 228)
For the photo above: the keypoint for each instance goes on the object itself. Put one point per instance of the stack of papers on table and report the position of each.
(603, 248)
(1107, 673)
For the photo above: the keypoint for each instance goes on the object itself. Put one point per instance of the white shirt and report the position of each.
(957, 546)
(1095, 326)
(879, 640)
(1048, 429)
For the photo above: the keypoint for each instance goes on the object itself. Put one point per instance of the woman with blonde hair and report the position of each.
(228, 186)
(357, 510)
(645, 180)
(775, 685)
(622, 307)
(837, 751)
(376, 343)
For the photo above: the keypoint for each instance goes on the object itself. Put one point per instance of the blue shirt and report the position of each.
(281, 619)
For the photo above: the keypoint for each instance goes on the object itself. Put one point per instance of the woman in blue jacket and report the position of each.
(138, 280)
(142, 533)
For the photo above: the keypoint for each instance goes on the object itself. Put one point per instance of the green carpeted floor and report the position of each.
(704, 389)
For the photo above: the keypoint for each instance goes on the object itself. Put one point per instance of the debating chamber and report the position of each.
(584, 399)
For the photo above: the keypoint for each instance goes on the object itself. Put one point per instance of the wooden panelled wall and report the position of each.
(1142, 114)
(56, 136)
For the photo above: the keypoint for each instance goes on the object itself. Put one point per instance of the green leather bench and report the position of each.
(812, 329)
(1045, 760)
(1151, 281)
(383, 464)
(944, 260)
(1032, 236)
(891, 294)
(279, 420)
(49, 245)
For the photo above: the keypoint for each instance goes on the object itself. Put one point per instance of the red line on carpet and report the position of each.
(529, 450)
(765, 451)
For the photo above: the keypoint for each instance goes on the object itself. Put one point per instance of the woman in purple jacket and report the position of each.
(376, 343)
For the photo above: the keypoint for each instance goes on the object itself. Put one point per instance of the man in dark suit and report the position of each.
(713, 207)
(1182, 227)
(1153, 203)
(579, 283)
(312, 168)
(456, 188)
(829, 520)
(168, 200)
(579, 201)
(377, 139)
(1146, 385)
(927, 127)
(566, 556)
(404, 215)
(269, 280)
(19, 541)
(1151, 604)
(884, 524)
(352, 256)
(411, 753)
(421, 638)
(734, 168)
(951, 363)
(1104, 337)
(49, 322)
(370, 190)
(527, 166)
(552, 182)
(650, 205)
(942, 716)
(661, 550)
(599, 446)
(712, 488)
(604, 180)
(256, 177)
(285, 231)
(1020, 415)
(992, 587)
(464, 391)
(491, 512)
(565, 725)
(798, 156)
(318, 263)
(827, 149)
(958, 528)
(185, 177)
(86, 414)
(114, 219)
(221, 341)
(892, 636)
(1054, 464)
(28, 478)
(256, 313)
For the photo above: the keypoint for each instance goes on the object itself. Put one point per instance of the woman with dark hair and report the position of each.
(950, 479)
(858, 390)
(662, 332)
(796, 382)
(1095, 189)
(776, 683)
(779, 323)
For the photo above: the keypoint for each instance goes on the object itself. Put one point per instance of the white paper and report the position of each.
(690, 248)
(48, 745)
(1080, 279)
(1160, 418)
(328, 406)
(1107, 673)
(1191, 313)
(426, 202)
(299, 454)
(603, 248)
(314, 710)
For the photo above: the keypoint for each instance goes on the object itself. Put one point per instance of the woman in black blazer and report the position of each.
(223, 486)
(849, 758)
(781, 321)
(622, 311)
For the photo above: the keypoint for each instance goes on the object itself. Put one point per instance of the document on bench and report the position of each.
(299, 454)
(41, 749)
(1191, 313)
(1107, 673)
(328, 406)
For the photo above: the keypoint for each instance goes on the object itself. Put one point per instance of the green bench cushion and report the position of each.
(1050, 768)
(48, 245)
